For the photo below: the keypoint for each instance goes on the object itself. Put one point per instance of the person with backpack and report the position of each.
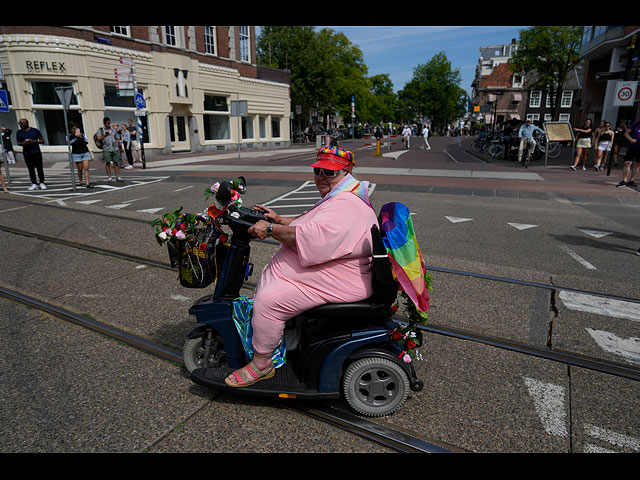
(109, 140)
(632, 157)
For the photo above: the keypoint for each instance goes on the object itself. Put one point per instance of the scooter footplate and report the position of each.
(284, 383)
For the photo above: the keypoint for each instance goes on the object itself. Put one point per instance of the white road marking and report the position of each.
(457, 219)
(521, 226)
(627, 348)
(88, 202)
(548, 400)
(596, 233)
(578, 258)
(614, 438)
(150, 210)
(610, 307)
(184, 188)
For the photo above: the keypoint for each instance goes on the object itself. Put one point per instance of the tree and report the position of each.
(547, 55)
(433, 92)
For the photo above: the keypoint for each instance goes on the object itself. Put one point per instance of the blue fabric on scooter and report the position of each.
(242, 312)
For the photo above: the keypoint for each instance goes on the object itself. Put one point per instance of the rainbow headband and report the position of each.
(336, 155)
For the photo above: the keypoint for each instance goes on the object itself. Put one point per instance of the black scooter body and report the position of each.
(320, 343)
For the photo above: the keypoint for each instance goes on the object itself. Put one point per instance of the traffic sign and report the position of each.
(625, 94)
(4, 101)
(139, 101)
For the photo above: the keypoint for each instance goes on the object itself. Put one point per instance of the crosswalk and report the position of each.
(297, 201)
(60, 187)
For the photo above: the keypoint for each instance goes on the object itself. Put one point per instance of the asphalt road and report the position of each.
(68, 390)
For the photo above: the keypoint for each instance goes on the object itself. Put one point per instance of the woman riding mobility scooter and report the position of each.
(353, 350)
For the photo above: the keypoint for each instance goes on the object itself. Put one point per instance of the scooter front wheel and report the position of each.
(193, 353)
(375, 386)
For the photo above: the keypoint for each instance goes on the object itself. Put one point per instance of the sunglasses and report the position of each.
(325, 172)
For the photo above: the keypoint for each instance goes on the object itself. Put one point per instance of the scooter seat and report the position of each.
(341, 310)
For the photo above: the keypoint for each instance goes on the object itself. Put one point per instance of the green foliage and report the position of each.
(547, 55)
(433, 92)
(327, 70)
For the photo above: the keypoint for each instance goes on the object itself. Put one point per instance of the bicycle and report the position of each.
(553, 149)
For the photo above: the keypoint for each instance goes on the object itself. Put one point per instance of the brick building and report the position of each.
(189, 77)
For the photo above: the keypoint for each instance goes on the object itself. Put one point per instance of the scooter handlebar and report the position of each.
(243, 217)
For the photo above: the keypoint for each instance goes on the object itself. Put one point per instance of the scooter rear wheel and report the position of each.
(375, 386)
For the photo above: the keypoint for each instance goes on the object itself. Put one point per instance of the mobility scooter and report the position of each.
(331, 351)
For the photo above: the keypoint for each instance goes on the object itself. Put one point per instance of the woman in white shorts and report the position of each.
(604, 142)
(583, 144)
(80, 154)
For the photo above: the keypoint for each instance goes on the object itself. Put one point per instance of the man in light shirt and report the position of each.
(526, 133)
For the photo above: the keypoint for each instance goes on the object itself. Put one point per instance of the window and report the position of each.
(120, 31)
(275, 127)
(247, 128)
(216, 117)
(564, 117)
(535, 99)
(567, 99)
(210, 40)
(170, 37)
(120, 110)
(244, 44)
(262, 126)
(49, 114)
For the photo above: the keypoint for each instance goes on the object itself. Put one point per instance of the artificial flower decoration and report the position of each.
(409, 336)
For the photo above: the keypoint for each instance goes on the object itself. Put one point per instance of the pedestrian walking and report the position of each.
(632, 157)
(80, 154)
(619, 141)
(8, 147)
(135, 145)
(604, 142)
(30, 139)
(110, 148)
(583, 144)
(126, 145)
(2, 184)
(425, 134)
(406, 135)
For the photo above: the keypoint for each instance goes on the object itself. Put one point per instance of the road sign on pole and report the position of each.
(64, 94)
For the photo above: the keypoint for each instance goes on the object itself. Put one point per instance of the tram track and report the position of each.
(372, 431)
(568, 358)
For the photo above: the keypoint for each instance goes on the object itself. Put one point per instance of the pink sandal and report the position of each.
(253, 377)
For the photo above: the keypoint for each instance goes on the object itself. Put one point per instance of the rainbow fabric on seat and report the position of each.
(400, 241)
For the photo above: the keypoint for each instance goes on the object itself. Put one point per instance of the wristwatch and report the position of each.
(270, 229)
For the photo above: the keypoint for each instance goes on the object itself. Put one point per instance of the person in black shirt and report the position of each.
(80, 154)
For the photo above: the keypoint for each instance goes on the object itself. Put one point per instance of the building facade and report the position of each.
(189, 76)
(610, 55)
(501, 95)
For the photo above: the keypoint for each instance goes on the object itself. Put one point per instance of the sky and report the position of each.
(398, 50)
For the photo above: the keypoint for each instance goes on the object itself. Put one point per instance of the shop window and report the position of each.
(49, 114)
(262, 125)
(275, 127)
(247, 128)
(216, 118)
(120, 110)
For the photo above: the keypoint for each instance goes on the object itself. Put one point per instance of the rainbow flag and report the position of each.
(400, 241)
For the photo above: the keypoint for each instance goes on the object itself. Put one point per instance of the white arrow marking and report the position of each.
(601, 305)
(596, 233)
(88, 202)
(548, 400)
(521, 226)
(118, 206)
(578, 258)
(150, 210)
(627, 348)
(612, 437)
(457, 219)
